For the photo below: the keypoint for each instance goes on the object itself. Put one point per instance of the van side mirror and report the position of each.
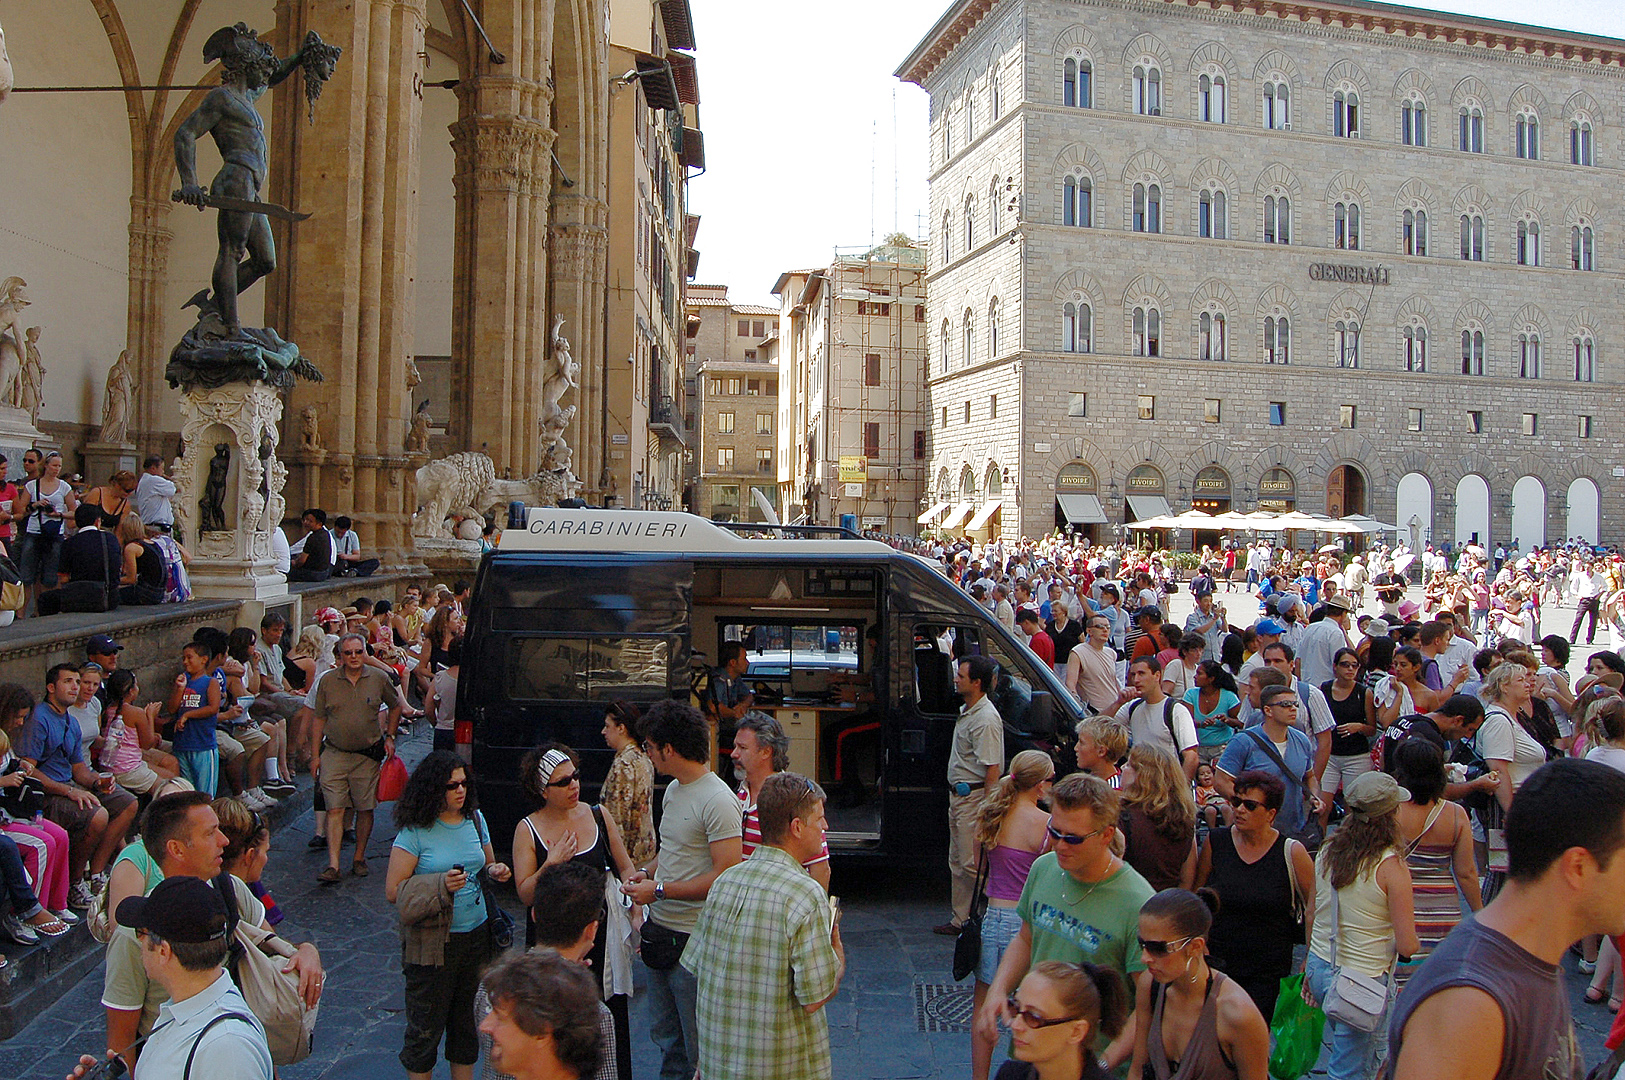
(1041, 714)
(516, 515)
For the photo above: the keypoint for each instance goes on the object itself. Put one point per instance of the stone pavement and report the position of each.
(898, 1015)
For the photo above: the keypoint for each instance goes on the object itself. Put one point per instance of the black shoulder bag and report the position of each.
(968, 945)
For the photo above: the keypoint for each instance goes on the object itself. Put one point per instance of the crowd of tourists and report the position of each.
(1287, 795)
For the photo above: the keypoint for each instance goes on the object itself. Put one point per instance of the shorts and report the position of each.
(999, 928)
(1208, 755)
(349, 781)
(139, 780)
(37, 559)
(1341, 770)
(75, 819)
(237, 741)
(201, 768)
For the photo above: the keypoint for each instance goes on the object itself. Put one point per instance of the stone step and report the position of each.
(38, 975)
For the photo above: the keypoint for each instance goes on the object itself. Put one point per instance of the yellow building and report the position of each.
(733, 410)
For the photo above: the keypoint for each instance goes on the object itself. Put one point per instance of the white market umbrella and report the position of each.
(1160, 521)
(1370, 524)
(1331, 547)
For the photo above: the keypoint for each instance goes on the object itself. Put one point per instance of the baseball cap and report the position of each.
(1270, 626)
(102, 645)
(182, 909)
(1368, 795)
(1150, 609)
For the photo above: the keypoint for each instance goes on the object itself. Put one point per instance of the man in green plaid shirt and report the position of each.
(767, 952)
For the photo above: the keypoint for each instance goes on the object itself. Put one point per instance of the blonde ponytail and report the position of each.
(1028, 769)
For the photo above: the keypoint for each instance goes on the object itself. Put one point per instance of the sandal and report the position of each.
(1593, 996)
(330, 876)
(52, 927)
(1613, 1004)
(359, 868)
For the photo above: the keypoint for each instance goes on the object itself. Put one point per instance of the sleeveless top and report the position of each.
(1351, 710)
(149, 566)
(1157, 858)
(109, 519)
(1360, 922)
(1254, 932)
(597, 856)
(1537, 1028)
(1007, 870)
(1204, 1057)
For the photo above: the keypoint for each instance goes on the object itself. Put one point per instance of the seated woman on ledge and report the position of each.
(142, 581)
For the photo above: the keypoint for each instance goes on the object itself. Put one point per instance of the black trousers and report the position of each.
(440, 1002)
(1588, 605)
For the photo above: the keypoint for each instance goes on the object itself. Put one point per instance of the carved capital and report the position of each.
(504, 153)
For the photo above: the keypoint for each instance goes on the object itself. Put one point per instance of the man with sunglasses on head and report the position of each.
(1080, 903)
(349, 703)
(1291, 748)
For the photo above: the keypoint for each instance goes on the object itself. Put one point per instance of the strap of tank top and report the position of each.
(1438, 808)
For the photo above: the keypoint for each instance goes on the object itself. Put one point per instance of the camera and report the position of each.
(107, 1069)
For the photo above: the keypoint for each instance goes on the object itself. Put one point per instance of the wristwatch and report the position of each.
(660, 890)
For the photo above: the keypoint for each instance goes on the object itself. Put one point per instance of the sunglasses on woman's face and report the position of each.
(1251, 804)
(564, 781)
(456, 785)
(1163, 948)
(1032, 1018)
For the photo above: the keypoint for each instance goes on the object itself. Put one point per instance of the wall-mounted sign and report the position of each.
(1348, 273)
(618, 440)
(1146, 480)
(852, 491)
(1042, 447)
(1076, 478)
(854, 469)
(1213, 481)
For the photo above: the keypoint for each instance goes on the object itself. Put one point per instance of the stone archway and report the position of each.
(1473, 511)
(1529, 513)
(1345, 491)
(1413, 508)
(1584, 518)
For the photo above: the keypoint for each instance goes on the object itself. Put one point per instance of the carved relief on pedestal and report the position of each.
(245, 481)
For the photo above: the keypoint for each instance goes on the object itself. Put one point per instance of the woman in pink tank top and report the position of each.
(1010, 832)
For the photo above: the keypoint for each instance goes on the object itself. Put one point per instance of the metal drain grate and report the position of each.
(943, 1007)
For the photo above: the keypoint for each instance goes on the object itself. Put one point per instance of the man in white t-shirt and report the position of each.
(1151, 719)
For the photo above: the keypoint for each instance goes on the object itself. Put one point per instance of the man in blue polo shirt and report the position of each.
(95, 812)
(1248, 751)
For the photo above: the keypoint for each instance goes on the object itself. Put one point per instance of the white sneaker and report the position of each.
(255, 800)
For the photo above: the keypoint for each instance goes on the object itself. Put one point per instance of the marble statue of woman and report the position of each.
(31, 384)
(116, 401)
(13, 298)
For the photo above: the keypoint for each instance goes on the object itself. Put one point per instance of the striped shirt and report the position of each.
(752, 837)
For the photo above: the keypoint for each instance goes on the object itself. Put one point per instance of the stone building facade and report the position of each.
(736, 417)
(459, 189)
(1341, 257)
(852, 372)
(723, 335)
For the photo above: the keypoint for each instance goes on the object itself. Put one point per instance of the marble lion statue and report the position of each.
(466, 485)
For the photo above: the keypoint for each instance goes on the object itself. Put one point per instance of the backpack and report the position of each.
(1168, 704)
(271, 995)
(177, 585)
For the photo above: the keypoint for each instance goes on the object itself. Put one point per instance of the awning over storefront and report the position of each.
(1082, 509)
(932, 514)
(959, 514)
(1147, 506)
(982, 515)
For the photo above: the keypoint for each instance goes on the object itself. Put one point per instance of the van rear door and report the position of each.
(551, 641)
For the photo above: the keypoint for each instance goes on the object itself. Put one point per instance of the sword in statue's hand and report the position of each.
(246, 206)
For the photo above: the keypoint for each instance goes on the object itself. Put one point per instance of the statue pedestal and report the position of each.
(18, 433)
(238, 487)
(104, 459)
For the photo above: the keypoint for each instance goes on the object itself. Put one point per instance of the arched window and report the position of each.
(993, 329)
(993, 101)
(1472, 237)
(1077, 77)
(1277, 220)
(970, 117)
(1414, 231)
(993, 224)
(943, 345)
(947, 237)
(1528, 136)
(1580, 247)
(1580, 141)
(1528, 242)
(1211, 337)
(1148, 208)
(1277, 340)
(1212, 214)
(1346, 339)
(1416, 347)
(1277, 104)
(1078, 206)
(1585, 358)
(1077, 328)
(1528, 355)
(1413, 122)
(1147, 90)
(970, 224)
(1471, 119)
(1346, 226)
(1472, 351)
(1210, 92)
(1147, 331)
(1346, 114)
(967, 335)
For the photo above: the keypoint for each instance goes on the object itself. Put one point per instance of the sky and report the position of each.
(799, 106)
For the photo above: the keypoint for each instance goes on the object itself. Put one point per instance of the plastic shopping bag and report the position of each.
(391, 779)
(1295, 1032)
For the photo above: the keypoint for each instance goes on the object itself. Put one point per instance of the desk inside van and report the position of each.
(803, 723)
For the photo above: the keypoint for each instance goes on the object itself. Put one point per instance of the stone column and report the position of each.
(499, 307)
(579, 254)
(150, 238)
(344, 288)
(246, 481)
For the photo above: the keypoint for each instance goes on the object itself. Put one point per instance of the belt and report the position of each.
(963, 787)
